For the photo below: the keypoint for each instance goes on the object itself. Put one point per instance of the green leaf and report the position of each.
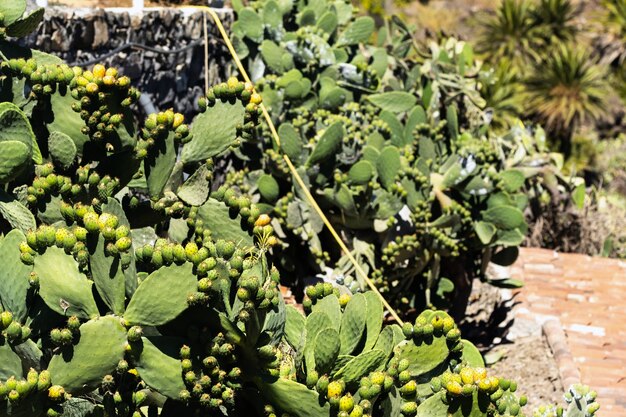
(509, 283)
(158, 365)
(513, 180)
(214, 131)
(504, 217)
(393, 101)
(100, 348)
(485, 231)
(162, 296)
(62, 286)
(359, 30)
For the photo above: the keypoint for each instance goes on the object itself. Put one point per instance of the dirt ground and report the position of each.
(530, 363)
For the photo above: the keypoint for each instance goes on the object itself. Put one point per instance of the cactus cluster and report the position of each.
(132, 285)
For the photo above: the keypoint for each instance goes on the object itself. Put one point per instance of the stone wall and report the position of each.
(171, 80)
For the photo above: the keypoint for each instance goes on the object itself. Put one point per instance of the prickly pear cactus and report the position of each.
(131, 287)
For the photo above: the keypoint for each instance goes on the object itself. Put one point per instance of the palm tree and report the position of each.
(511, 33)
(565, 90)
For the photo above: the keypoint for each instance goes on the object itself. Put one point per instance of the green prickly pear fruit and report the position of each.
(408, 389)
(123, 244)
(322, 384)
(14, 396)
(66, 336)
(407, 330)
(453, 335)
(26, 331)
(32, 377)
(31, 239)
(409, 409)
(346, 403)
(6, 318)
(185, 352)
(14, 331)
(90, 220)
(23, 387)
(44, 382)
(134, 334)
(312, 378)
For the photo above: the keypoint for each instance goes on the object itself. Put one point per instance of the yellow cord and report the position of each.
(307, 193)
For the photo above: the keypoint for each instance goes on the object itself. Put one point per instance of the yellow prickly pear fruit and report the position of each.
(344, 299)
(98, 71)
(263, 220)
(56, 393)
(335, 389)
(467, 375)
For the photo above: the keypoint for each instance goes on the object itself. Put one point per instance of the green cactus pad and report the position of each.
(26, 25)
(159, 165)
(268, 188)
(352, 324)
(108, 276)
(61, 285)
(326, 350)
(290, 142)
(388, 165)
(315, 323)
(214, 131)
(195, 191)
(471, 355)
(14, 157)
(10, 362)
(393, 101)
(330, 306)
(359, 30)
(328, 22)
(433, 407)
(294, 325)
(99, 350)
(345, 201)
(66, 121)
(130, 273)
(361, 172)
(272, 56)
(12, 10)
(361, 365)
(14, 212)
(328, 144)
(385, 341)
(216, 217)
(14, 276)
(162, 296)
(293, 398)
(453, 121)
(251, 24)
(374, 323)
(423, 357)
(14, 125)
(62, 149)
(513, 180)
(272, 15)
(158, 364)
